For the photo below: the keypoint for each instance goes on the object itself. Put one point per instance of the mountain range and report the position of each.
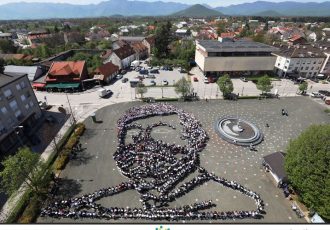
(23, 10)
(197, 10)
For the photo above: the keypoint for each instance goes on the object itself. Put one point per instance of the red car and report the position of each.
(195, 79)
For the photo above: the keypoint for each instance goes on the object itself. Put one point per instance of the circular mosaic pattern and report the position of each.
(238, 131)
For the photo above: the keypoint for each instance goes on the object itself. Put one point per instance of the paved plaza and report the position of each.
(95, 168)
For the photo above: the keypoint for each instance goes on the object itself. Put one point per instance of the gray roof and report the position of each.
(5, 34)
(29, 70)
(7, 78)
(276, 163)
(235, 46)
(132, 39)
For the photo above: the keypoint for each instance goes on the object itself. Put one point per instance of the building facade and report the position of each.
(19, 111)
(300, 61)
(233, 57)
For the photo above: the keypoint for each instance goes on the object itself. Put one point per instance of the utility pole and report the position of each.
(73, 118)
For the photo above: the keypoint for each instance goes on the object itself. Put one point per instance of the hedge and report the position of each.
(31, 212)
(167, 99)
(249, 97)
(64, 154)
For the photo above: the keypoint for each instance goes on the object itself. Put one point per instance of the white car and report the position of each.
(316, 95)
(165, 82)
(206, 80)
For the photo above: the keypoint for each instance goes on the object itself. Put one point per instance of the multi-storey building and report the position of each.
(19, 110)
(300, 60)
(234, 57)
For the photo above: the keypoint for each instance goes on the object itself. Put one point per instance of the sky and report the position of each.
(209, 2)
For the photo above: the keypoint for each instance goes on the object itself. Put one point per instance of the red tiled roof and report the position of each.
(295, 38)
(124, 52)
(228, 35)
(139, 47)
(106, 54)
(64, 68)
(150, 40)
(107, 69)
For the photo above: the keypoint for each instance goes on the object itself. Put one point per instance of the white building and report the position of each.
(234, 56)
(304, 61)
(122, 57)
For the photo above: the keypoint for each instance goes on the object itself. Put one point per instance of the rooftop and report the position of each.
(29, 70)
(300, 51)
(63, 68)
(7, 78)
(235, 46)
(276, 163)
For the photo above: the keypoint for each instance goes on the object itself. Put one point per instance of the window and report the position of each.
(312, 67)
(301, 68)
(28, 94)
(23, 85)
(306, 68)
(31, 103)
(320, 62)
(314, 62)
(23, 97)
(296, 69)
(18, 87)
(13, 105)
(8, 93)
(4, 110)
(27, 106)
(285, 67)
(18, 113)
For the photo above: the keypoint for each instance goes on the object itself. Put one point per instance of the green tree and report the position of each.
(7, 46)
(264, 84)
(221, 28)
(307, 166)
(225, 85)
(56, 30)
(24, 166)
(183, 87)
(2, 65)
(303, 87)
(259, 37)
(141, 89)
(162, 40)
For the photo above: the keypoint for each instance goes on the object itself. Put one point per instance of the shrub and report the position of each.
(31, 211)
(72, 141)
(248, 97)
(327, 110)
(62, 159)
(80, 128)
(167, 99)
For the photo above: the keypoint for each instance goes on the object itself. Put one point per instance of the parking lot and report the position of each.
(95, 168)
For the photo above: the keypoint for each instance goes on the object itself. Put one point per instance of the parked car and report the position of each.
(151, 76)
(124, 80)
(137, 69)
(143, 71)
(123, 71)
(119, 76)
(317, 95)
(140, 77)
(181, 70)
(165, 82)
(195, 79)
(211, 79)
(149, 67)
(152, 82)
(154, 71)
(243, 79)
(206, 80)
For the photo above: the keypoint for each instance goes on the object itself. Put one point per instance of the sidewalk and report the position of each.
(13, 201)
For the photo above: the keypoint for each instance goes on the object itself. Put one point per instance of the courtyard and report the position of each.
(94, 168)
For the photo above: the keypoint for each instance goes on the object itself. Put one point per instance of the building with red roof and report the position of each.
(66, 74)
(105, 73)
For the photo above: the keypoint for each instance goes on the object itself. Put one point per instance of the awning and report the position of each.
(63, 85)
(38, 85)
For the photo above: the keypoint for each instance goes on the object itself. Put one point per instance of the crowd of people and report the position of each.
(154, 165)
